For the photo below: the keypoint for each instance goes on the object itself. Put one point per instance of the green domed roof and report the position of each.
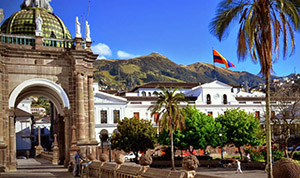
(23, 23)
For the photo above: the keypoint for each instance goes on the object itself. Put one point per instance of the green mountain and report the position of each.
(126, 74)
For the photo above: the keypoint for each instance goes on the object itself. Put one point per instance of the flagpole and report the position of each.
(214, 65)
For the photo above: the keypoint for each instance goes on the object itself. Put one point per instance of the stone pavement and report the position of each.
(40, 168)
(37, 168)
(230, 173)
(224, 172)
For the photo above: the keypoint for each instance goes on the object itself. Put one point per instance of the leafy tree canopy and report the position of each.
(42, 102)
(134, 135)
(201, 130)
(240, 128)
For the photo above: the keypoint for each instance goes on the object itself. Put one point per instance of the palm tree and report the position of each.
(169, 112)
(261, 23)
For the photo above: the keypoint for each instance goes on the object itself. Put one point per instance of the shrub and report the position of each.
(255, 155)
(276, 153)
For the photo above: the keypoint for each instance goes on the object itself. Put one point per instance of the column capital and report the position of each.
(76, 73)
(90, 74)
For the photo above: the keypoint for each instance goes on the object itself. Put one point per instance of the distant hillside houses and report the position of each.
(212, 98)
(38, 110)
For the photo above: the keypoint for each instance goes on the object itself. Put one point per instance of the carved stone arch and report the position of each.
(42, 87)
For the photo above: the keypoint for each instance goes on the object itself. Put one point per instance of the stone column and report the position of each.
(74, 146)
(12, 142)
(91, 110)
(78, 43)
(67, 136)
(55, 151)
(80, 110)
(2, 144)
(39, 148)
(86, 106)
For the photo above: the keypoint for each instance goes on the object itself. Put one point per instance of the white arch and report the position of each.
(38, 82)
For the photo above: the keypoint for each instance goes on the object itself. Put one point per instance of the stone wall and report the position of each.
(104, 169)
(112, 170)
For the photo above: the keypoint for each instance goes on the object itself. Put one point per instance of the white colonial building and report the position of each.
(211, 98)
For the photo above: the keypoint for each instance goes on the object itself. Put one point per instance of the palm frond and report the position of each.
(226, 12)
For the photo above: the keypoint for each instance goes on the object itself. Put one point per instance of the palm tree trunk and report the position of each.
(172, 148)
(268, 127)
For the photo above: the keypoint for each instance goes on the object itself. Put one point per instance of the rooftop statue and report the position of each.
(87, 32)
(26, 3)
(1, 15)
(77, 24)
(37, 3)
(39, 23)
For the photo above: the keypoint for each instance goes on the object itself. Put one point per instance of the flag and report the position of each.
(220, 59)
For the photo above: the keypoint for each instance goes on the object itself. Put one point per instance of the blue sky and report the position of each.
(176, 29)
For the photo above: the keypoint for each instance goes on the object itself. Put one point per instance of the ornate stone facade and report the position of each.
(58, 69)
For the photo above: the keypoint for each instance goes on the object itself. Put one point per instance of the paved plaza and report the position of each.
(231, 172)
(37, 168)
(40, 168)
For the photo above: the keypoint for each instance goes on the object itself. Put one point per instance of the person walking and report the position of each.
(239, 170)
(77, 157)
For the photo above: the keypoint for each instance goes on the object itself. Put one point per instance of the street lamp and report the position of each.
(221, 135)
(109, 146)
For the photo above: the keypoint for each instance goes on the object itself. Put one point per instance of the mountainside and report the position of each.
(125, 74)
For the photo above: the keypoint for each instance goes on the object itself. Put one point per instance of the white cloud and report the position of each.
(101, 57)
(102, 49)
(125, 55)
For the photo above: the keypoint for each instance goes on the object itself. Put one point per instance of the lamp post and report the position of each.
(221, 135)
(109, 146)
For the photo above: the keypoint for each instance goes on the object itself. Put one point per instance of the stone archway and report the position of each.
(60, 100)
(64, 76)
(42, 87)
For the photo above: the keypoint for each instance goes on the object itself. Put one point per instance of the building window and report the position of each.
(149, 93)
(136, 115)
(231, 90)
(257, 115)
(224, 99)
(143, 93)
(116, 116)
(208, 99)
(257, 102)
(134, 102)
(210, 113)
(103, 117)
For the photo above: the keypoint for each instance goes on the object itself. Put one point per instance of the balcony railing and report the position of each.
(60, 43)
(16, 39)
(29, 40)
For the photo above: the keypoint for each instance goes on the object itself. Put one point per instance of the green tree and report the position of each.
(262, 22)
(200, 131)
(42, 102)
(136, 135)
(169, 112)
(240, 128)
